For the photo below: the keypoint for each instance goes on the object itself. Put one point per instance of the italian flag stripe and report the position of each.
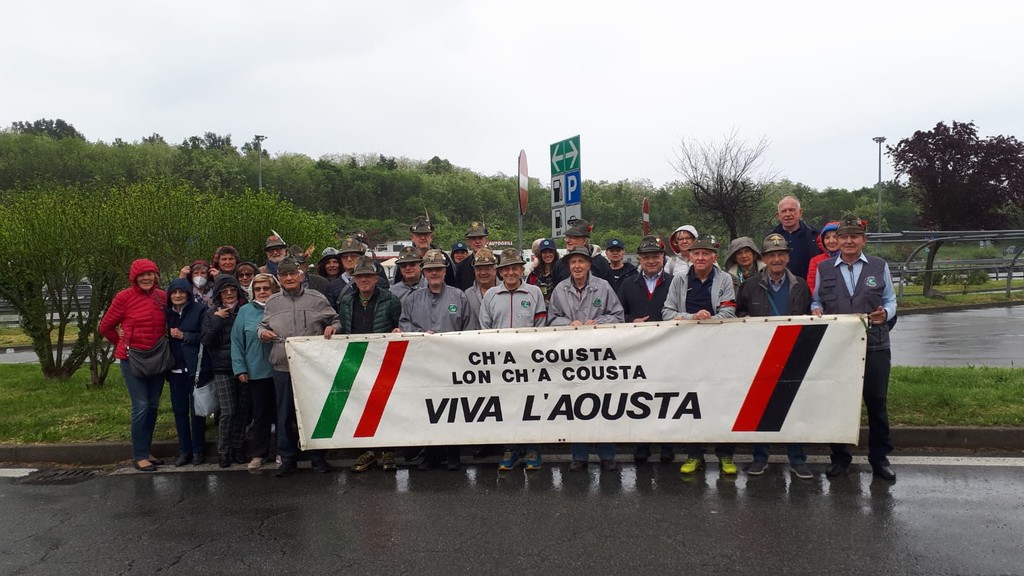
(340, 389)
(381, 390)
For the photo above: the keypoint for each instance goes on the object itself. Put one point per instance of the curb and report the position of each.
(904, 438)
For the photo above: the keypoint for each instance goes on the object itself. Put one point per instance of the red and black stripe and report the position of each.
(779, 377)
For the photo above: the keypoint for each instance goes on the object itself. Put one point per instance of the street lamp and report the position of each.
(259, 161)
(879, 140)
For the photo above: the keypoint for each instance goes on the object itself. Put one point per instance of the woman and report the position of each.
(828, 242)
(743, 260)
(136, 320)
(202, 282)
(368, 309)
(543, 274)
(680, 242)
(232, 397)
(185, 326)
(225, 260)
(251, 365)
(244, 273)
(331, 269)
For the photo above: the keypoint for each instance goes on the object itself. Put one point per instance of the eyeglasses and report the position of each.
(246, 274)
(229, 289)
(262, 289)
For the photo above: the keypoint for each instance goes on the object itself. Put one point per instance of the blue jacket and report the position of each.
(189, 321)
(249, 355)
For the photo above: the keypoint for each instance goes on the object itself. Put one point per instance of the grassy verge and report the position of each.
(38, 411)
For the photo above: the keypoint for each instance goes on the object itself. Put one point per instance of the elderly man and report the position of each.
(514, 304)
(485, 271)
(294, 311)
(421, 232)
(584, 300)
(477, 238)
(802, 239)
(409, 274)
(854, 283)
(276, 250)
(578, 236)
(436, 308)
(704, 292)
(775, 291)
(643, 297)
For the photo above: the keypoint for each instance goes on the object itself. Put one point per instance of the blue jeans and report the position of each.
(191, 428)
(795, 452)
(582, 451)
(145, 396)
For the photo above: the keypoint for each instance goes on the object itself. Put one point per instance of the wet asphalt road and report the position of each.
(936, 519)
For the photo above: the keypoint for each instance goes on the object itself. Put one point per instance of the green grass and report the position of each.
(36, 411)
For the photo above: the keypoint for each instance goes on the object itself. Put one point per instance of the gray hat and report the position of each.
(351, 246)
(510, 257)
(421, 225)
(408, 254)
(774, 242)
(484, 257)
(737, 244)
(579, 251)
(274, 241)
(364, 266)
(579, 229)
(476, 229)
(650, 245)
(287, 265)
(434, 258)
(705, 242)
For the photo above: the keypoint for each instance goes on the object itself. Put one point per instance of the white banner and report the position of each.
(744, 380)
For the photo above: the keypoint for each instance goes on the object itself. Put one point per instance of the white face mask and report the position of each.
(199, 281)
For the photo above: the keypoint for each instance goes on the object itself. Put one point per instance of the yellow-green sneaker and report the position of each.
(692, 465)
(365, 461)
(726, 465)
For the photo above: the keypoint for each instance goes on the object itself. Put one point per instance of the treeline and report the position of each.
(382, 194)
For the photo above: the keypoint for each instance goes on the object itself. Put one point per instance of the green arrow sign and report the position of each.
(565, 155)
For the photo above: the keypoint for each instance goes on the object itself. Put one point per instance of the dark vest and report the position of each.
(866, 297)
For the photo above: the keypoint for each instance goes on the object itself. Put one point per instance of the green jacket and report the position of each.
(385, 315)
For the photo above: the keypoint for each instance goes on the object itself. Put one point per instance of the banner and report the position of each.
(744, 380)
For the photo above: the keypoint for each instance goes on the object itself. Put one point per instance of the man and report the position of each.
(369, 309)
(350, 252)
(409, 274)
(276, 250)
(485, 270)
(704, 292)
(618, 268)
(775, 291)
(802, 239)
(584, 300)
(643, 297)
(578, 236)
(294, 311)
(436, 308)
(459, 252)
(514, 304)
(421, 232)
(477, 238)
(854, 283)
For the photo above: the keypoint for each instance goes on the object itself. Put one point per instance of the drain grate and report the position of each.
(60, 476)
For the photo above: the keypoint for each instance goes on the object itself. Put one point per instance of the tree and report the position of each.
(961, 181)
(726, 177)
(56, 129)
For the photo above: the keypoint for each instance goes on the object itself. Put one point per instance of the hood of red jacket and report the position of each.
(141, 266)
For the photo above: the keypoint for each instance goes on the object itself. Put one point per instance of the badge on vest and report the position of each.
(871, 281)
(452, 308)
(525, 303)
(596, 302)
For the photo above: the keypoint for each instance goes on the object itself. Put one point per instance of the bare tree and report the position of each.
(727, 178)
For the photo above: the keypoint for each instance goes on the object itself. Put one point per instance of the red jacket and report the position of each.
(140, 313)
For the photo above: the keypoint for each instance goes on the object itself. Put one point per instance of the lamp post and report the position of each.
(879, 140)
(259, 161)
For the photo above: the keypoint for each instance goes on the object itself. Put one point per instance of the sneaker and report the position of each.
(757, 467)
(365, 461)
(255, 463)
(692, 465)
(726, 465)
(802, 471)
(387, 462)
(508, 461)
(533, 461)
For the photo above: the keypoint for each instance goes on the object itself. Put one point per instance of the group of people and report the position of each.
(227, 321)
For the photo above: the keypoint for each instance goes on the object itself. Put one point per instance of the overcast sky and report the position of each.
(474, 82)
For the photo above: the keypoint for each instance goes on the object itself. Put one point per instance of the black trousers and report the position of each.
(876, 391)
(264, 410)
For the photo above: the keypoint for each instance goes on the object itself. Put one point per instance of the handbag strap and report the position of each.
(199, 366)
